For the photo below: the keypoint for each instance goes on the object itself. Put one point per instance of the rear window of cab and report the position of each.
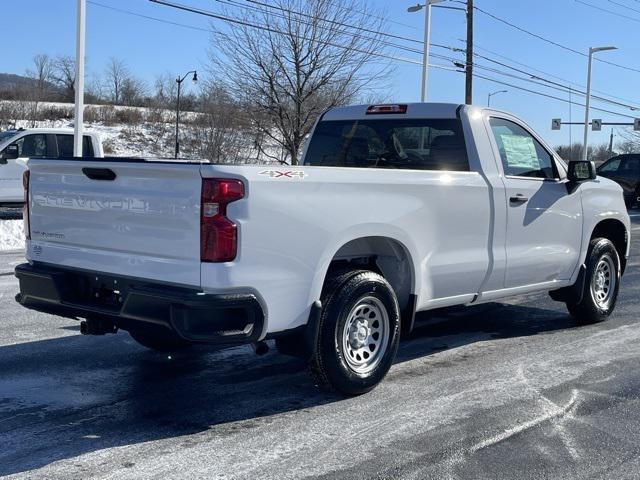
(417, 144)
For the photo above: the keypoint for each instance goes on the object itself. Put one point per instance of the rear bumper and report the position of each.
(131, 303)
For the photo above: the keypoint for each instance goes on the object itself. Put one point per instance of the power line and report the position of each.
(441, 67)
(532, 78)
(375, 32)
(562, 88)
(395, 45)
(610, 12)
(479, 47)
(550, 96)
(129, 12)
(379, 17)
(551, 42)
(272, 30)
(535, 80)
(624, 6)
(556, 84)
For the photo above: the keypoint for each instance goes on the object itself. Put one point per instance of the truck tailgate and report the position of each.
(143, 223)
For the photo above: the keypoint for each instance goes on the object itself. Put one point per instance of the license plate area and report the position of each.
(98, 291)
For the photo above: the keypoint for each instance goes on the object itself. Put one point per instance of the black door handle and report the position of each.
(99, 173)
(519, 198)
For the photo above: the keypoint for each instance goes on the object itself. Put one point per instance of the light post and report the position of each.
(427, 32)
(492, 94)
(78, 117)
(592, 50)
(179, 82)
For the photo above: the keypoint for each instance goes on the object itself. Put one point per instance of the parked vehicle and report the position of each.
(625, 171)
(396, 209)
(17, 146)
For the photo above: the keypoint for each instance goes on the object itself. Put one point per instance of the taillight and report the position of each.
(25, 208)
(218, 234)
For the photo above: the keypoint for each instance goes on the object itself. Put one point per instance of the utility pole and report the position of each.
(179, 81)
(611, 144)
(468, 86)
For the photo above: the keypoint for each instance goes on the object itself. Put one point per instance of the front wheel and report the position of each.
(601, 285)
(359, 332)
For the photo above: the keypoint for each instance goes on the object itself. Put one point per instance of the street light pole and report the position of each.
(592, 50)
(425, 51)
(179, 81)
(78, 117)
(492, 94)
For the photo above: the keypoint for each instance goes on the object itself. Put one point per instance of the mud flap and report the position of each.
(573, 293)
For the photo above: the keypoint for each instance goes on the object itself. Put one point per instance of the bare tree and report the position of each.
(41, 73)
(295, 58)
(630, 145)
(116, 75)
(133, 91)
(64, 74)
(596, 153)
(94, 92)
(220, 130)
(165, 87)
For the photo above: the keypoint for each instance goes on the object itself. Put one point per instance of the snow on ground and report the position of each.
(11, 235)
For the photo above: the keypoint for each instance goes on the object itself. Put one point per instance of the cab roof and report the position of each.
(413, 110)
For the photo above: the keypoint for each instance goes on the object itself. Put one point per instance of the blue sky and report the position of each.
(150, 48)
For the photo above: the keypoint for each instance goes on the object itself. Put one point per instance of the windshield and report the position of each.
(6, 135)
(429, 144)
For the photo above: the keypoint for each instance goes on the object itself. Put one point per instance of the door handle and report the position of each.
(99, 173)
(518, 198)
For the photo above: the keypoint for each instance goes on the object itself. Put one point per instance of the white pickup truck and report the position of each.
(17, 146)
(396, 209)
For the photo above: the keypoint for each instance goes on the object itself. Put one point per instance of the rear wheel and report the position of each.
(159, 339)
(601, 285)
(359, 332)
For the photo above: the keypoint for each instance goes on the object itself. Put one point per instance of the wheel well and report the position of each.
(383, 255)
(615, 231)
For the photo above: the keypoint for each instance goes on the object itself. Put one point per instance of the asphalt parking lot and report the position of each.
(511, 390)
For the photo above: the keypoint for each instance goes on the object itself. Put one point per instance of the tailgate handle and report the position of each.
(99, 173)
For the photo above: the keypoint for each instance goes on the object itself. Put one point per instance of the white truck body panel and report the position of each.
(144, 224)
(460, 238)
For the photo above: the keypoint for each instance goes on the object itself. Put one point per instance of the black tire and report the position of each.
(159, 339)
(589, 310)
(345, 299)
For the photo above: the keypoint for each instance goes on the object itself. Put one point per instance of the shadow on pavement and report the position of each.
(64, 397)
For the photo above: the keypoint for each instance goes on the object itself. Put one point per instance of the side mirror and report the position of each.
(10, 153)
(581, 171)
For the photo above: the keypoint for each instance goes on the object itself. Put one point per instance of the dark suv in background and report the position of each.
(625, 171)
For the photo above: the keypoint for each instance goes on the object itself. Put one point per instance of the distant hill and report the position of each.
(9, 81)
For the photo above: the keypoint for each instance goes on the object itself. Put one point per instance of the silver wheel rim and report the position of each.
(365, 335)
(603, 282)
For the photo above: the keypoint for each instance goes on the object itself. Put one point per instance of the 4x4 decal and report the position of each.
(284, 174)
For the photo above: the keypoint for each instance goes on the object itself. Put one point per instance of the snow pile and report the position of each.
(11, 235)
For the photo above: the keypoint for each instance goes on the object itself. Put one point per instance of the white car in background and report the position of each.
(17, 146)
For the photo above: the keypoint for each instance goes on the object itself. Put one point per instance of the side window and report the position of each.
(87, 146)
(631, 166)
(521, 154)
(65, 146)
(32, 146)
(611, 166)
